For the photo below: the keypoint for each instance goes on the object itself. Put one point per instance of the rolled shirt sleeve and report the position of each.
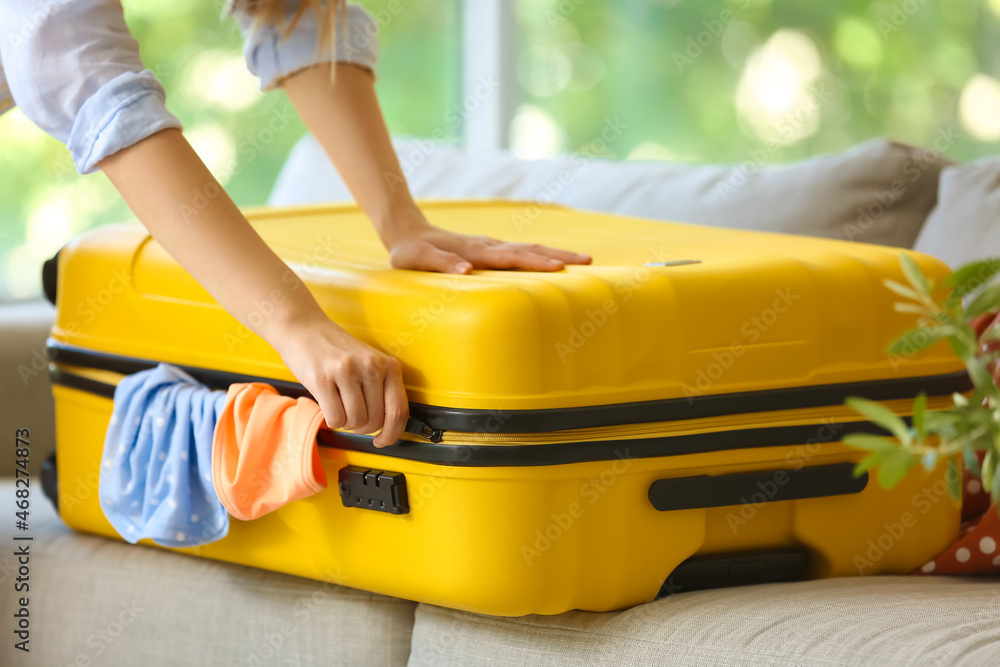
(73, 68)
(271, 55)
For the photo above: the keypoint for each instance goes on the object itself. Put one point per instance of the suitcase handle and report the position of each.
(685, 493)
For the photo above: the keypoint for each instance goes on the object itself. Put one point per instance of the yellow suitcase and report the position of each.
(666, 419)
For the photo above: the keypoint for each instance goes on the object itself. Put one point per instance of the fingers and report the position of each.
(349, 387)
(518, 257)
(564, 256)
(371, 387)
(445, 262)
(397, 409)
(459, 254)
(357, 387)
(331, 406)
(497, 255)
(427, 257)
(366, 394)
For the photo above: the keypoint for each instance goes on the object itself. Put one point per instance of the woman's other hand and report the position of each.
(414, 243)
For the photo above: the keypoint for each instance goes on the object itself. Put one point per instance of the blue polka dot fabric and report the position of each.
(156, 472)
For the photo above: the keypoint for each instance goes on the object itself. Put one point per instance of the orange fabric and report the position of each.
(264, 452)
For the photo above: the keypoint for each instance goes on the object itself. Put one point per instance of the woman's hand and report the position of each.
(414, 243)
(345, 118)
(357, 387)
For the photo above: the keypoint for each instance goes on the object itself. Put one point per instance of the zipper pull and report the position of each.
(417, 427)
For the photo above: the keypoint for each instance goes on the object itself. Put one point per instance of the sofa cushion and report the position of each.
(879, 192)
(101, 602)
(861, 621)
(25, 392)
(968, 200)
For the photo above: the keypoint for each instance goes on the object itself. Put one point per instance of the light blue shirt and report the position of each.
(73, 68)
(156, 470)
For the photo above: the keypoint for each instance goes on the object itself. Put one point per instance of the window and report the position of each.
(761, 80)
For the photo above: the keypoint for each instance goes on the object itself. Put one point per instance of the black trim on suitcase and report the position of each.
(701, 491)
(73, 381)
(557, 453)
(50, 480)
(116, 363)
(437, 419)
(564, 452)
(604, 450)
(50, 277)
(67, 379)
(679, 409)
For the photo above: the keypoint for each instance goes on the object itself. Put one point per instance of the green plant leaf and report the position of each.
(971, 462)
(873, 443)
(870, 461)
(915, 340)
(981, 421)
(987, 301)
(902, 290)
(914, 274)
(863, 465)
(882, 416)
(971, 277)
(979, 373)
(954, 479)
(894, 466)
(940, 422)
(989, 469)
(972, 424)
(982, 379)
(919, 410)
(962, 349)
(995, 486)
(904, 307)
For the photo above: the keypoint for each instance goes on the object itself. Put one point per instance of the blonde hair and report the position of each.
(272, 12)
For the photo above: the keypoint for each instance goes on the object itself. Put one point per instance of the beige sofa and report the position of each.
(98, 602)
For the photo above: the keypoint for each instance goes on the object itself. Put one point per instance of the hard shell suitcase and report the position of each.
(668, 418)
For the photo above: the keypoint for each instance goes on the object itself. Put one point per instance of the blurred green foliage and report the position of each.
(690, 77)
(691, 80)
(198, 58)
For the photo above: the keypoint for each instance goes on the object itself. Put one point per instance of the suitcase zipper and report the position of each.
(648, 440)
(838, 414)
(417, 427)
(456, 425)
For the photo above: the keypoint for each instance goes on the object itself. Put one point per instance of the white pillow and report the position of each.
(879, 192)
(965, 224)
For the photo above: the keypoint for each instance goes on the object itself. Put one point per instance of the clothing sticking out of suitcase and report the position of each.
(665, 419)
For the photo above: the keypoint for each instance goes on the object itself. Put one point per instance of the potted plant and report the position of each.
(961, 309)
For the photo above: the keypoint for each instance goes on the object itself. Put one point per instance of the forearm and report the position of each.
(345, 118)
(158, 177)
